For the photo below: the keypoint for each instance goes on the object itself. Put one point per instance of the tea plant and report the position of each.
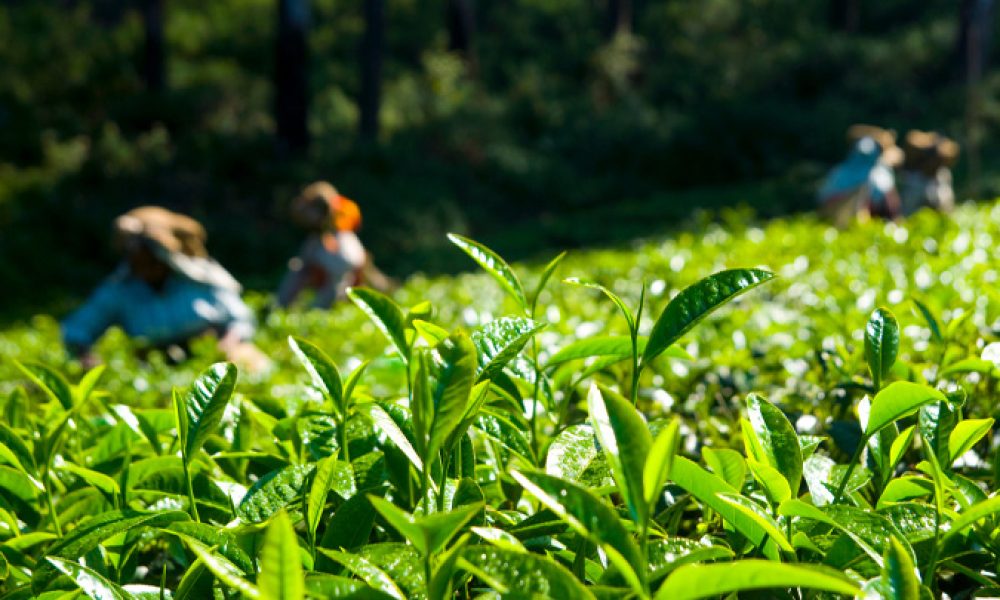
(666, 453)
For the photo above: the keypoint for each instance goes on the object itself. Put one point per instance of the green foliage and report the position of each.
(426, 473)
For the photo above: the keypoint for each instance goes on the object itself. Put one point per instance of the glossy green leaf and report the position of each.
(773, 483)
(899, 573)
(706, 487)
(272, 492)
(967, 434)
(453, 385)
(366, 571)
(14, 450)
(758, 514)
(543, 279)
(902, 489)
(87, 384)
(385, 314)
(19, 484)
(932, 323)
(728, 465)
(972, 515)
(500, 341)
(389, 427)
(440, 585)
(881, 344)
(432, 334)
(220, 566)
(530, 575)
(429, 534)
(351, 524)
(897, 400)
(575, 456)
(696, 302)
(778, 440)
(625, 310)
(704, 581)
(222, 540)
(206, 402)
(590, 517)
(90, 582)
(322, 481)
(402, 563)
(324, 585)
(281, 576)
(491, 262)
(626, 441)
(53, 384)
(102, 482)
(613, 348)
(92, 532)
(936, 422)
(661, 458)
(322, 371)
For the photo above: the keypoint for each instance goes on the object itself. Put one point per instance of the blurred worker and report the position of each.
(167, 291)
(332, 257)
(863, 185)
(925, 179)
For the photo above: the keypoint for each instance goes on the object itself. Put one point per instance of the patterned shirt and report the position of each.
(183, 308)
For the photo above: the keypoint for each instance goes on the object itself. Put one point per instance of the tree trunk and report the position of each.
(371, 68)
(461, 21)
(291, 105)
(845, 15)
(973, 49)
(619, 18)
(153, 59)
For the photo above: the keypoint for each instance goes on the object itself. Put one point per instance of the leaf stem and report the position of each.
(52, 511)
(850, 468)
(190, 490)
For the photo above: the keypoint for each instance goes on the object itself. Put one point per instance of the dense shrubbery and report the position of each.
(803, 438)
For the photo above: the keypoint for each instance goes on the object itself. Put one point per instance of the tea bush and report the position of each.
(586, 428)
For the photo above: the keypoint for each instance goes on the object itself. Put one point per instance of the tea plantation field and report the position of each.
(777, 410)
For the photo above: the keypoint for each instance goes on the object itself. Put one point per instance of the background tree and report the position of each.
(153, 59)
(460, 18)
(619, 18)
(371, 68)
(291, 74)
(845, 15)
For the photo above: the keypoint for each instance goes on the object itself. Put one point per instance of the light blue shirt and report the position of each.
(183, 308)
(862, 170)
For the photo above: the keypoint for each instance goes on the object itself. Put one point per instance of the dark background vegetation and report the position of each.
(529, 124)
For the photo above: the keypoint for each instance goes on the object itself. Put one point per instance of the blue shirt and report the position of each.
(183, 308)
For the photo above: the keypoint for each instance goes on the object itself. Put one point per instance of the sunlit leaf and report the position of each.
(696, 302)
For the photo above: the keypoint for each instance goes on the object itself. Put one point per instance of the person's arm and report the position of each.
(85, 325)
(237, 332)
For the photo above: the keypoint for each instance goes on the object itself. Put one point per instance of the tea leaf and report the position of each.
(899, 399)
(881, 344)
(322, 372)
(281, 569)
(385, 314)
(206, 402)
(491, 262)
(696, 302)
(703, 581)
(626, 441)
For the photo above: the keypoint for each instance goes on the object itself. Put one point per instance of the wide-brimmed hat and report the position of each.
(930, 146)
(892, 155)
(176, 239)
(320, 206)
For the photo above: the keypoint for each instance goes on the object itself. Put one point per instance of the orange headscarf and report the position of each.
(320, 206)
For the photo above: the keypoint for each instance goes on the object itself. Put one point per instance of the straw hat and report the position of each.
(321, 206)
(176, 239)
(929, 148)
(885, 138)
